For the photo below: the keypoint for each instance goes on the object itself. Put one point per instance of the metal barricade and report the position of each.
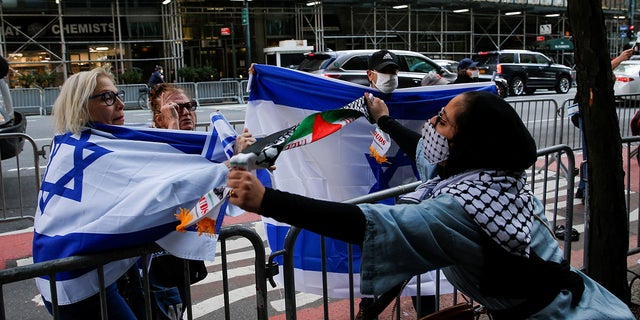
(550, 186)
(540, 117)
(27, 100)
(244, 84)
(49, 97)
(131, 94)
(190, 88)
(20, 183)
(219, 91)
(49, 268)
(626, 107)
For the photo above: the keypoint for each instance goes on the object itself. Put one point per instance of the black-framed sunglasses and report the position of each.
(109, 97)
(442, 117)
(190, 106)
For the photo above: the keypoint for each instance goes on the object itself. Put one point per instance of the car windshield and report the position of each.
(417, 64)
(628, 69)
(484, 59)
(313, 62)
(357, 63)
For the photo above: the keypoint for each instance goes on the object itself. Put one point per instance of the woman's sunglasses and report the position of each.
(190, 106)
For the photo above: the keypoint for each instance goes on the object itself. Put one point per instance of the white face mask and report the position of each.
(386, 83)
(475, 73)
(436, 146)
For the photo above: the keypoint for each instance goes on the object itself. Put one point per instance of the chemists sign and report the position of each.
(78, 28)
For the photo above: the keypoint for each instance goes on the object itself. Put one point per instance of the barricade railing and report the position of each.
(243, 90)
(50, 268)
(40, 101)
(190, 88)
(19, 189)
(131, 94)
(238, 125)
(27, 100)
(631, 159)
(49, 97)
(551, 188)
(626, 107)
(219, 91)
(540, 117)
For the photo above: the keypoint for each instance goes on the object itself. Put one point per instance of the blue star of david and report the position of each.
(383, 177)
(80, 162)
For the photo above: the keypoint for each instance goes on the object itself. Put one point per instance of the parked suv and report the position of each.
(351, 65)
(524, 70)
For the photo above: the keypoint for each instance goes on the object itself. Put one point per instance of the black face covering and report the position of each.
(490, 135)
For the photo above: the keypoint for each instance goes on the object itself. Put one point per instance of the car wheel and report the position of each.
(503, 90)
(530, 91)
(517, 86)
(563, 85)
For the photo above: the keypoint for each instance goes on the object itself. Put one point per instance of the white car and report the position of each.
(627, 84)
(448, 64)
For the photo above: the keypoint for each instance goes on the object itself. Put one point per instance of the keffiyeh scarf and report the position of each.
(500, 203)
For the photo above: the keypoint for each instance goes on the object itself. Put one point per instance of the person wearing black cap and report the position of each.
(383, 71)
(156, 77)
(383, 75)
(475, 217)
(467, 71)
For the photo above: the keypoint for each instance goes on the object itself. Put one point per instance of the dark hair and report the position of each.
(489, 135)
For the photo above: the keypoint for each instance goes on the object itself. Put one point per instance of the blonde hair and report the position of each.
(71, 108)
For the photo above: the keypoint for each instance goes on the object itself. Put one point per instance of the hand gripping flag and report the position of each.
(338, 167)
(312, 128)
(263, 154)
(110, 187)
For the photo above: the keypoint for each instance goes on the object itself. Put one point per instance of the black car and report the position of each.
(524, 70)
(351, 65)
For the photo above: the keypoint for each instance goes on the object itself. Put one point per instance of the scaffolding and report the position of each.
(190, 30)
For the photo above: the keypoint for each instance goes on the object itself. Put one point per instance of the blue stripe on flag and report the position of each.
(185, 141)
(286, 87)
(52, 247)
(223, 136)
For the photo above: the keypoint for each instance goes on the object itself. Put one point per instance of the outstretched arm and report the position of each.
(625, 55)
(406, 138)
(337, 220)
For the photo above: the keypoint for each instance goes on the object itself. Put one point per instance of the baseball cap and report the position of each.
(382, 59)
(466, 63)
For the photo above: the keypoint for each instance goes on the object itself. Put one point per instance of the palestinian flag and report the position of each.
(311, 129)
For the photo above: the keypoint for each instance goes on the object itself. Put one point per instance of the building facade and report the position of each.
(52, 40)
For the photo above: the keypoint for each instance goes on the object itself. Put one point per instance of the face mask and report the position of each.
(386, 83)
(475, 73)
(436, 146)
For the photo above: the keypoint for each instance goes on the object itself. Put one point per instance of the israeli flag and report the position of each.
(111, 187)
(338, 167)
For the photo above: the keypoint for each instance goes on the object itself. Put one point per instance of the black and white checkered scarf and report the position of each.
(499, 202)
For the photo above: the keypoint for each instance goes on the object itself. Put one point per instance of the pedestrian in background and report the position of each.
(156, 77)
(467, 71)
(383, 71)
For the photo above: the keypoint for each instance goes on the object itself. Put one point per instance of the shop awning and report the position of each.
(560, 44)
